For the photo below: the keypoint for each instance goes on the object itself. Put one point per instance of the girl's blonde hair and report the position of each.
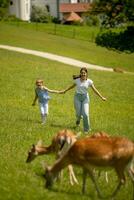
(39, 81)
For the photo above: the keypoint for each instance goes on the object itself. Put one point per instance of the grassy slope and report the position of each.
(82, 50)
(20, 125)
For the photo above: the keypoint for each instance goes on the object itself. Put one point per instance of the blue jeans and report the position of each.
(43, 108)
(81, 105)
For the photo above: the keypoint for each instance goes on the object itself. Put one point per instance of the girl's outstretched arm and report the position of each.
(97, 92)
(69, 88)
(52, 91)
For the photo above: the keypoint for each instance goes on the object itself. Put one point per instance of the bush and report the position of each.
(3, 13)
(123, 41)
(10, 18)
(91, 20)
(56, 20)
(39, 14)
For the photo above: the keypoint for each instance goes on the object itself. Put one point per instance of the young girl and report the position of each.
(81, 97)
(41, 93)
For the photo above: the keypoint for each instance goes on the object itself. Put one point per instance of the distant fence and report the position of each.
(76, 32)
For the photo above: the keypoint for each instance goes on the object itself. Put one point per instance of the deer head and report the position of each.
(32, 154)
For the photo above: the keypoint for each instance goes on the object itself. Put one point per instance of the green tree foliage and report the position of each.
(123, 41)
(114, 12)
(4, 3)
(3, 8)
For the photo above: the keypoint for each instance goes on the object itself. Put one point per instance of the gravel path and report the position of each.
(62, 59)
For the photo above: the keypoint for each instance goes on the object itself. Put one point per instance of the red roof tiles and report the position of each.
(74, 7)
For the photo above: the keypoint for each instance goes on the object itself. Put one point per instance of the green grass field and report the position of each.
(20, 122)
(79, 49)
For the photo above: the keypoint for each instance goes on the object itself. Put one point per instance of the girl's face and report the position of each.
(83, 75)
(39, 83)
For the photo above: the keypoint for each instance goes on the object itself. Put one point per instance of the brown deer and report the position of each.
(61, 142)
(101, 134)
(90, 153)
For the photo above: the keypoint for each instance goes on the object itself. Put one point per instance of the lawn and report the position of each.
(20, 122)
(28, 37)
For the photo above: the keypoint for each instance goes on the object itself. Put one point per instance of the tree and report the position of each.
(4, 3)
(114, 12)
(3, 8)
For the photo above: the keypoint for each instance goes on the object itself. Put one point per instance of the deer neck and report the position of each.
(44, 150)
(60, 164)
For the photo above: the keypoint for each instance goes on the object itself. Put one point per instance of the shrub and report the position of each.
(123, 41)
(39, 14)
(56, 20)
(10, 18)
(91, 20)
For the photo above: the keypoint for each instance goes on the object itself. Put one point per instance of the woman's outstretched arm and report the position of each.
(97, 92)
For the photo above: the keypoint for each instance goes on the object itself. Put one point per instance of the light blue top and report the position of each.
(43, 96)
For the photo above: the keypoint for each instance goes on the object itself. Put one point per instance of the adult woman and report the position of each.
(81, 97)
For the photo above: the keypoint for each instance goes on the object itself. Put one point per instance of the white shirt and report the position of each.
(82, 86)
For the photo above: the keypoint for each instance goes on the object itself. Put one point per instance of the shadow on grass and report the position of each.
(75, 194)
(62, 126)
(68, 192)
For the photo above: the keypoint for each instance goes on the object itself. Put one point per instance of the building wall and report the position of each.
(53, 5)
(14, 8)
(20, 8)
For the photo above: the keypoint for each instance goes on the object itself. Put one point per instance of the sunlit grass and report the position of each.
(28, 37)
(20, 124)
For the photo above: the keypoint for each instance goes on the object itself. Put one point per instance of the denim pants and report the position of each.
(43, 108)
(81, 105)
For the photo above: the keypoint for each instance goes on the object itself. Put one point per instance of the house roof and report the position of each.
(74, 7)
(72, 17)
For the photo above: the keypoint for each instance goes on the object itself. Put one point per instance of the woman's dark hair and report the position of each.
(78, 76)
(84, 69)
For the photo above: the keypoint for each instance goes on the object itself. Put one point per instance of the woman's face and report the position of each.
(83, 74)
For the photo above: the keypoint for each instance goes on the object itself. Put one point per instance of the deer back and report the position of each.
(102, 151)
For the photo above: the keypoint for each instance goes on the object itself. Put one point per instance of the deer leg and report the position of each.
(91, 174)
(131, 174)
(121, 176)
(106, 177)
(85, 172)
(73, 179)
